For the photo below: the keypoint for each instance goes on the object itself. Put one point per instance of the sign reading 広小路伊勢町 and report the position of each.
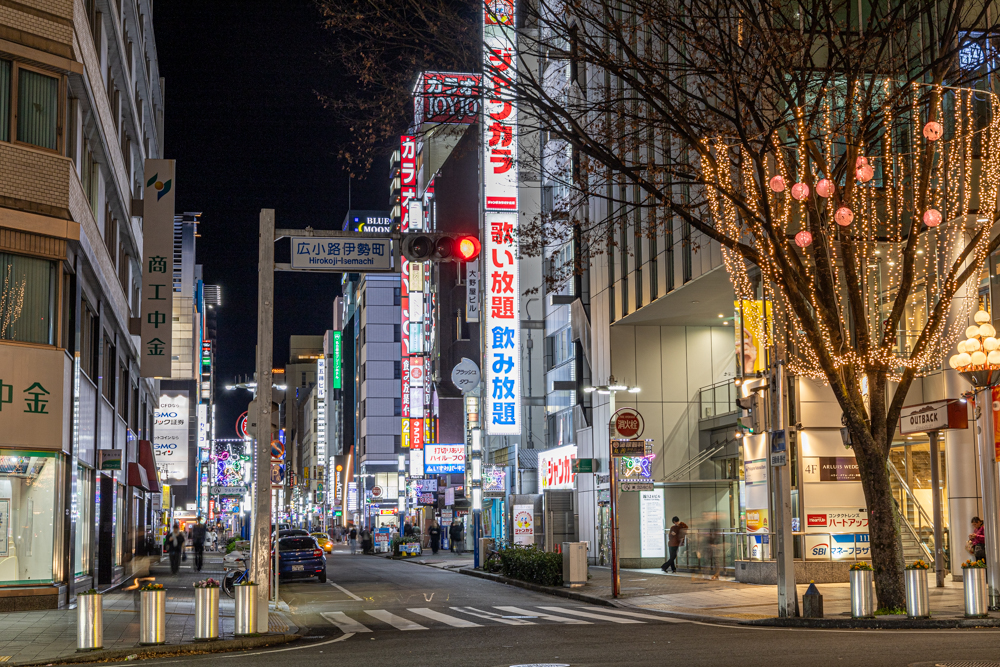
(342, 254)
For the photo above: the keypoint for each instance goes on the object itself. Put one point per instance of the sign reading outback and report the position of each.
(936, 416)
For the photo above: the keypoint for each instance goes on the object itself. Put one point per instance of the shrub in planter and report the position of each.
(532, 564)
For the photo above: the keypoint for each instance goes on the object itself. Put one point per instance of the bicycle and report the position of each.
(234, 577)
(492, 563)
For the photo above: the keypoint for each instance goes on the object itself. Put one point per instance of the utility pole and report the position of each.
(784, 556)
(260, 571)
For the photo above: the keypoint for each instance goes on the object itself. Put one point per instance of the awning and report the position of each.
(137, 476)
(148, 463)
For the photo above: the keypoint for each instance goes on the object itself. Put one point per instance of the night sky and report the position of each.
(243, 122)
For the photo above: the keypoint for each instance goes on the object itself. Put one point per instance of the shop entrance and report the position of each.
(910, 475)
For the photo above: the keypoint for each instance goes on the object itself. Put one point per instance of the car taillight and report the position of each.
(317, 553)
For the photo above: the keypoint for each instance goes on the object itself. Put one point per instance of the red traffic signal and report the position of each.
(439, 247)
(468, 248)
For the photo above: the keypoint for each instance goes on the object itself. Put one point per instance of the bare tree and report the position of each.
(847, 165)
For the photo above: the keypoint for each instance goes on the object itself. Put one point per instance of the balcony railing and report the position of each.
(717, 399)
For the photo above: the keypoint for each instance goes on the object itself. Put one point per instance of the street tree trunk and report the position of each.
(883, 527)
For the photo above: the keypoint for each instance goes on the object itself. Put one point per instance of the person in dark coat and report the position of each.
(455, 535)
(434, 532)
(175, 547)
(198, 535)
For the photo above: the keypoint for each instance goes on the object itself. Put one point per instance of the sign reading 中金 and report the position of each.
(157, 268)
(342, 254)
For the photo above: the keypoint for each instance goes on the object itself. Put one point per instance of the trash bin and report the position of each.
(574, 564)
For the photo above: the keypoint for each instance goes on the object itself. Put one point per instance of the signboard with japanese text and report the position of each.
(850, 546)
(494, 480)
(555, 468)
(337, 361)
(472, 292)
(620, 448)
(157, 311)
(499, 107)
(416, 434)
(651, 524)
(830, 469)
(444, 459)
(170, 437)
(412, 402)
(836, 520)
(755, 474)
(35, 397)
(503, 326)
(523, 518)
(447, 97)
(333, 254)
(416, 390)
(416, 463)
(109, 459)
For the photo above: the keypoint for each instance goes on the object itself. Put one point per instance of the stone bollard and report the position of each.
(812, 602)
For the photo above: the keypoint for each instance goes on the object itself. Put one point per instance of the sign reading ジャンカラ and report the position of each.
(157, 268)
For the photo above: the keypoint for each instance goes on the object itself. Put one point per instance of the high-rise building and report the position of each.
(81, 109)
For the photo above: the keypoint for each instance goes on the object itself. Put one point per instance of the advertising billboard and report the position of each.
(444, 459)
(170, 437)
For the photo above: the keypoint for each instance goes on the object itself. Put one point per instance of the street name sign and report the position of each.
(364, 254)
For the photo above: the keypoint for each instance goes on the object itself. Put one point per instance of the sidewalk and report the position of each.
(47, 636)
(697, 597)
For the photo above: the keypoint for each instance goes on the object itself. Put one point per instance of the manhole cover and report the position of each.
(957, 663)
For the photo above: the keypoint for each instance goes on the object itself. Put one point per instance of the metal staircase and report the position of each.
(917, 528)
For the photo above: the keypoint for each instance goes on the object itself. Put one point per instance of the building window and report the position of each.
(109, 368)
(396, 333)
(397, 407)
(6, 68)
(37, 109)
(396, 298)
(397, 372)
(27, 299)
(28, 496)
(89, 335)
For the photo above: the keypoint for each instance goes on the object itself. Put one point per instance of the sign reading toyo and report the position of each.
(626, 424)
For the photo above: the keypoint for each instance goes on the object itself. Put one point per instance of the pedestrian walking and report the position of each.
(977, 539)
(198, 534)
(353, 536)
(675, 538)
(455, 535)
(407, 530)
(175, 547)
(434, 532)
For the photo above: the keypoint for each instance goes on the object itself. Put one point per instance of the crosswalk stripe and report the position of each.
(491, 616)
(397, 622)
(587, 614)
(548, 617)
(654, 617)
(344, 622)
(444, 618)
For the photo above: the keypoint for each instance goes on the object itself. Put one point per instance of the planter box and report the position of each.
(89, 622)
(862, 594)
(246, 609)
(917, 605)
(152, 617)
(206, 614)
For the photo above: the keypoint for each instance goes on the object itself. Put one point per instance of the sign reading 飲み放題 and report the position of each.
(33, 399)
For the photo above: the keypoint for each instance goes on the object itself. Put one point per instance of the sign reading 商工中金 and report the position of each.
(157, 268)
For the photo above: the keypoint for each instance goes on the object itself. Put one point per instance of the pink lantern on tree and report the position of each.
(865, 173)
(933, 130)
(844, 216)
(932, 217)
(825, 188)
(803, 239)
(861, 161)
(777, 183)
(800, 191)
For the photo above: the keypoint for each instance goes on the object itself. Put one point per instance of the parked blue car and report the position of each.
(300, 557)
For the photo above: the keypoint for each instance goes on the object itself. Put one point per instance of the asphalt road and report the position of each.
(375, 612)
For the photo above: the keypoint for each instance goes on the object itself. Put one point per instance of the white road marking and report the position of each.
(489, 615)
(548, 617)
(444, 618)
(654, 617)
(397, 622)
(587, 614)
(345, 591)
(344, 622)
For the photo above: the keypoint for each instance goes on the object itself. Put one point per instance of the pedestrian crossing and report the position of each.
(424, 618)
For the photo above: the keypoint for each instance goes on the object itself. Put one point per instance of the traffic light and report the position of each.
(440, 247)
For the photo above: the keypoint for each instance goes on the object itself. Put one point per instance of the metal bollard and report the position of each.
(812, 602)
(90, 621)
(152, 617)
(246, 609)
(917, 604)
(206, 613)
(862, 593)
(976, 599)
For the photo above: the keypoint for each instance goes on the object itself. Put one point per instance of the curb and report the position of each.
(875, 623)
(142, 652)
(538, 588)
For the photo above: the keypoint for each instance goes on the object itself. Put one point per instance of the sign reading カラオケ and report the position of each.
(447, 97)
(157, 268)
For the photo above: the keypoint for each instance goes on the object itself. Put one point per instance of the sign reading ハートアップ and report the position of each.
(341, 254)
